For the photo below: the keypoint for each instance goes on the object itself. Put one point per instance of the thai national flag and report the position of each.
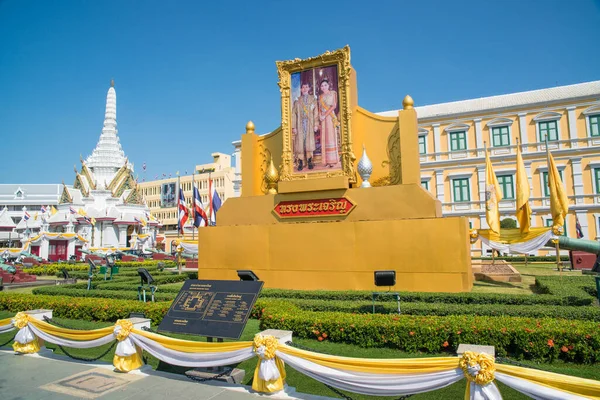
(183, 212)
(199, 213)
(72, 210)
(215, 203)
(26, 216)
(43, 209)
(578, 228)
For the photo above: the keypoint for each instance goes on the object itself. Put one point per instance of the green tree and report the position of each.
(508, 223)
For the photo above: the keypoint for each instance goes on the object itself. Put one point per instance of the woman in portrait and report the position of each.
(328, 123)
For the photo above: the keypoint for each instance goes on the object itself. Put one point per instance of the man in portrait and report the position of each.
(305, 117)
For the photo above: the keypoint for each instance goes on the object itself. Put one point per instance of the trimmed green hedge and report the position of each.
(567, 286)
(538, 339)
(121, 294)
(89, 309)
(54, 268)
(579, 299)
(440, 309)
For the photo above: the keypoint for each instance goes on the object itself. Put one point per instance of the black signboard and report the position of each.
(212, 308)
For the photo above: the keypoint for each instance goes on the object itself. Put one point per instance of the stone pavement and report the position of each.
(50, 376)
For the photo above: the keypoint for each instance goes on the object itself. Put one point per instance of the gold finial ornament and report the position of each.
(250, 127)
(408, 103)
(271, 178)
(112, 83)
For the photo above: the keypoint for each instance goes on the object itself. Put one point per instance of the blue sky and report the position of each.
(190, 74)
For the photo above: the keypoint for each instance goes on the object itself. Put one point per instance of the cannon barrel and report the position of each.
(567, 243)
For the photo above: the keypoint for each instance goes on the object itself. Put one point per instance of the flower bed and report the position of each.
(538, 339)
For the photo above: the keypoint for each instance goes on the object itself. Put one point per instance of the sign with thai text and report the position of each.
(314, 208)
(212, 308)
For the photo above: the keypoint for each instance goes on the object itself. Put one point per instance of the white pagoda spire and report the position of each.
(108, 156)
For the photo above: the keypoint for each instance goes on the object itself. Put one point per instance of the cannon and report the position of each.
(587, 246)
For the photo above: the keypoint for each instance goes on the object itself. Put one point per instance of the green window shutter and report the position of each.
(594, 125)
(461, 190)
(500, 136)
(506, 183)
(458, 141)
(597, 179)
(425, 185)
(550, 129)
(422, 145)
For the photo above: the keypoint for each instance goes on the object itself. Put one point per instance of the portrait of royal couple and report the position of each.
(311, 115)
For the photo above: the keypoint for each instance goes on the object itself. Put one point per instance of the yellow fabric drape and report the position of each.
(493, 195)
(6, 321)
(559, 203)
(523, 211)
(128, 363)
(71, 334)
(28, 348)
(189, 346)
(276, 385)
(511, 236)
(569, 384)
(376, 365)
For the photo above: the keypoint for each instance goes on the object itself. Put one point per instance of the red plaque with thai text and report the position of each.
(314, 208)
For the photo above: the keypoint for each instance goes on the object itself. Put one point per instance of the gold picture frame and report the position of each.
(341, 60)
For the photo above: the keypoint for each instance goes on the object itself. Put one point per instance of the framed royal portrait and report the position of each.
(315, 117)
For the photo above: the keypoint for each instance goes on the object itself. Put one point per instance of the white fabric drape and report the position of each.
(125, 347)
(534, 390)
(485, 392)
(6, 328)
(190, 248)
(24, 335)
(520, 248)
(374, 384)
(183, 359)
(267, 369)
(76, 344)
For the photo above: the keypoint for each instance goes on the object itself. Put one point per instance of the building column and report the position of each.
(572, 126)
(529, 177)
(481, 185)
(523, 129)
(577, 179)
(237, 175)
(437, 146)
(439, 184)
(583, 221)
(478, 136)
(44, 248)
(122, 235)
(483, 225)
(70, 248)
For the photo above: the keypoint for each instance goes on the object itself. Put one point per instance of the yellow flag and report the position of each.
(93, 221)
(35, 217)
(559, 203)
(81, 212)
(523, 208)
(493, 195)
(144, 222)
(53, 210)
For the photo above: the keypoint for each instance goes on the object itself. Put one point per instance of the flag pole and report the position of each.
(193, 203)
(556, 246)
(210, 183)
(486, 185)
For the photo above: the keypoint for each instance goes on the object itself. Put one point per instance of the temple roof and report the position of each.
(5, 220)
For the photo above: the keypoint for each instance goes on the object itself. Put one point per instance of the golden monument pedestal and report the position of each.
(316, 229)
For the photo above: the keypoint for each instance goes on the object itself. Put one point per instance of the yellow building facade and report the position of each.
(452, 137)
(220, 171)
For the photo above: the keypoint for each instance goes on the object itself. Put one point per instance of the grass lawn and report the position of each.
(304, 384)
(528, 274)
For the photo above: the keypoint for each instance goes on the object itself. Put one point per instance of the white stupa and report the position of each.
(104, 209)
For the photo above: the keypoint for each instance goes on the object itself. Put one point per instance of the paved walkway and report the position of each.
(50, 376)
